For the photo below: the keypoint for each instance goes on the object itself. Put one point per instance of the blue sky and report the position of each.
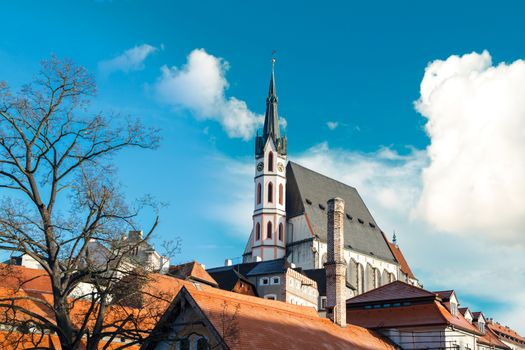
(358, 66)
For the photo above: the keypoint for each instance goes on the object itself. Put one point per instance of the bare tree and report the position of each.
(61, 199)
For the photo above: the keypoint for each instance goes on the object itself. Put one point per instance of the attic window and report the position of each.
(360, 221)
(308, 201)
(322, 207)
(372, 225)
(348, 216)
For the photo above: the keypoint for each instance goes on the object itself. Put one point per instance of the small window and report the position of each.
(281, 194)
(281, 232)
(270, 297)
(322, 207)
(323, 303)
(481, 327)
(276, 280)
(360, 221)
(270, 161)
(259, 193)
(348, 216)
(371, 225)
(202, 344)
(184, 344)
(257, 232)
(270, 192)
(309, 202)
(264, 281)
(454, 309)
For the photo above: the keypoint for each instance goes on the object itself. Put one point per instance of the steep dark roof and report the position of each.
(319, 276)
(255, 268)
(227, 279)
(307, 193)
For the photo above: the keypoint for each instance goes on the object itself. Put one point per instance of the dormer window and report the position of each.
(481, 326)
(454, 309)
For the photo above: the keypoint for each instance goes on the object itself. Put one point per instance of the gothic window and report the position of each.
(385, 278)
(257, 231)
(270, 161)
(377, 278)
(184, 344)
(354, 280)
(259, 194)
(360, 279)
(269, 230)
(281, 194)
(270, 192)
(370, 274)
(280, 231)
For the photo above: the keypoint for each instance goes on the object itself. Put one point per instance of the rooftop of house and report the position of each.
(399, 304)
(265, 324)
(192, 271)
(227, 279)
(508, 334)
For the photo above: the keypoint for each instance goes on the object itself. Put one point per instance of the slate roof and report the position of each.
(227, 279)
(307, 193)
(319, 276)
(255, 268)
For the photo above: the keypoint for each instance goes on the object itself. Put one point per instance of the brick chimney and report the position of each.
(335, 265)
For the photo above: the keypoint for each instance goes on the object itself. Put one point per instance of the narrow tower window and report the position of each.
(270, 192)
(257, 231)
(259, 190)
(281, 194)
(280, 231)
(269, 230)
(270, 161)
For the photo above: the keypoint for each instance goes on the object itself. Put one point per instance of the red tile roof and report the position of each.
(269, 324)
(396, 290)
(417, 307)
(510, 334)
(491, 339)
(192, 270)
(403, 264)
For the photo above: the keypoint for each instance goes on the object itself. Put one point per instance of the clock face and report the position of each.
(280, 167)
(260, 166)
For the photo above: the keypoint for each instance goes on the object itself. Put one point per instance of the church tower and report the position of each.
(269, 215)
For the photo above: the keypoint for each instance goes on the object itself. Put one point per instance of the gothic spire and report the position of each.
(271, 119)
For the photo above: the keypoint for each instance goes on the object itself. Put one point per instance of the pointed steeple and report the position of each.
(271, 128)
(271, 119)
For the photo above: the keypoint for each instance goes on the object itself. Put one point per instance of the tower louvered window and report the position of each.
(281, 194)
(269, 230)
(259, 193)
(270, 192)
(270, 161)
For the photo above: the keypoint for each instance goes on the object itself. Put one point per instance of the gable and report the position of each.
(307, 193)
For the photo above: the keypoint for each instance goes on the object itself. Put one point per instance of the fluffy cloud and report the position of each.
(200, 86)
(332, 125)
(130, 60)
(475, 183)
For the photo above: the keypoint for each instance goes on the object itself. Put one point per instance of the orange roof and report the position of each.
(511, 335)
(270, 324)
(491, 339)
(401, 259)
(19, 277)
(193, 270)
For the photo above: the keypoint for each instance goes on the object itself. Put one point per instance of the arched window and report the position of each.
(270, 192)
(270, 161)
(269, 230)
(281, 194)
(360, 279)
(259, 194)
(280, 231)
(257, 231)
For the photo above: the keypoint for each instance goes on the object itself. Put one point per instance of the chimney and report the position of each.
(335, 266)
(228, 262)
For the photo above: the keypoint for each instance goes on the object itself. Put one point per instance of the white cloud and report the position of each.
(130, 60)
(475, 183)
(200, 86)
(332, 125)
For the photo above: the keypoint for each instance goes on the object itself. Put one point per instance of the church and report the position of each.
(290, 216)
